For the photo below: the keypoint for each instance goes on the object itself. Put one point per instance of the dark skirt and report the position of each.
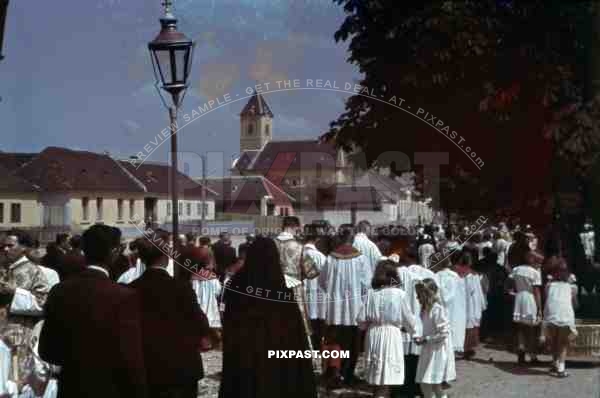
(248, 372)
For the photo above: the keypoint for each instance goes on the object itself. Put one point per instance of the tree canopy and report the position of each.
(509, 76)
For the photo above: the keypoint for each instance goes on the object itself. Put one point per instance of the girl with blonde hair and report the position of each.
(436, 362)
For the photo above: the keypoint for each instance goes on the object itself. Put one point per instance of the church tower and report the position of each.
(256, 123)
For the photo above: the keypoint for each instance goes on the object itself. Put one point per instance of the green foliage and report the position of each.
(483, 63)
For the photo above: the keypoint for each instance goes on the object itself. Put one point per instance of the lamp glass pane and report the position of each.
(163, 61)
(180, 61)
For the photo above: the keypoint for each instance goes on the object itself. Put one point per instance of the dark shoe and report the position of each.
(521, 360)
(535, 362)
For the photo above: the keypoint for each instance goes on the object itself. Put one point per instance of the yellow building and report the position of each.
(60, 187)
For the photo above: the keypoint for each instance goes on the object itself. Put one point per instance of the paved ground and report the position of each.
(492, 373)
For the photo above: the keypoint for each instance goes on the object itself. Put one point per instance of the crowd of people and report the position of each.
(97, 317)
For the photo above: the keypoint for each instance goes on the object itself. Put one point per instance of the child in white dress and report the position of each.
(527, 313)
(436, 362)
(384, 313)
(559, 319)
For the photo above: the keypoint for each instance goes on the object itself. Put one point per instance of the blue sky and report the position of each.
(77, 73)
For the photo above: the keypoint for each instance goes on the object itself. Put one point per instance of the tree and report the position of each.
(457, 59)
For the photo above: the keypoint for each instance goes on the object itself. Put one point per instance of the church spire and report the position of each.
(257, 106)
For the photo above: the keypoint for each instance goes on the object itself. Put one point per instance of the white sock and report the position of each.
(561, 366)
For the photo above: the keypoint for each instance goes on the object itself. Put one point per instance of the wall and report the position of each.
(109, 209)
(195, 214)
(31, 210)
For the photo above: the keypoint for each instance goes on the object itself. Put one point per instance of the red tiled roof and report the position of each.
(12, 184)
(12, 161)
(256, 106)
(292, 155)
(155, 177)
(237, 194)
(59, 170)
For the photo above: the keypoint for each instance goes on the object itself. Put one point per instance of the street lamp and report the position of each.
(3, 11)
(171, 55)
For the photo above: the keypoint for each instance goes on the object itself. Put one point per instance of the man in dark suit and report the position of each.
(93, 328)
(174, 325)
(224, 253)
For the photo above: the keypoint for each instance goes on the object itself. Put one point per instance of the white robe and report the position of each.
(41, 369)
(501, 249)
(476, 301)
(418, 273)
(436, 362)
(482, 245)
(208, 293)
(425, 252)
(135, 272)
(587, 240)
(423, 273)
(453, 297)
(346, 282)
(384, 313)
(7, 386)
(315, 296)
(51, 275)
(367, 247)
(408, 279)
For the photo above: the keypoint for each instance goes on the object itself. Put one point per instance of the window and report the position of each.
(1, 212)
(85, 205)
(131, 209)
(188, 209)
(119, 209)
(99, 208)
(250, 129)
(168, 208)
(180, 212)
(205, 209)
(267, 130)
(199, 208)
(15, 213)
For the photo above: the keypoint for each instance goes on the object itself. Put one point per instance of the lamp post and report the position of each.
(171, 55)
(3, 11)
(203, 215)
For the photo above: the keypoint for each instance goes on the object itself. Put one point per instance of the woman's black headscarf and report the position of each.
(260, 283)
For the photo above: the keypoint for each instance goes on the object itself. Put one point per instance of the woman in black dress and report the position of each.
(261, 316)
